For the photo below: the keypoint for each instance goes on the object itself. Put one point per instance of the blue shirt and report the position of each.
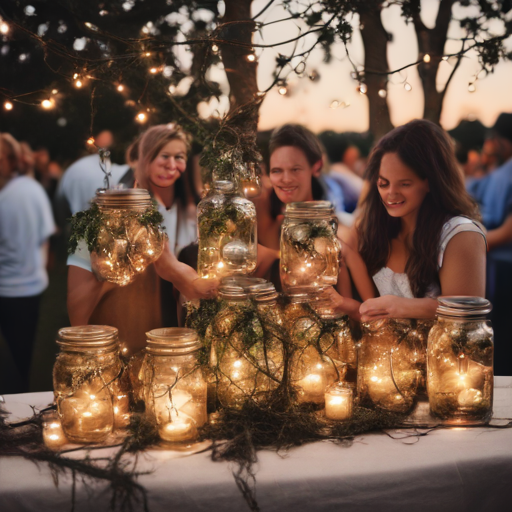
(493, 193)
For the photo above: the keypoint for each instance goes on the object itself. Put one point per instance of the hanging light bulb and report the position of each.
(426, 58)
(147, 54)
(8, 105)
(4, 28)
(55, 91)
(153, 71)
(75, 76)
(141, 117)
(251, 57)
(47, 104)
(90, 141)
(78, 84)
(120, 87)
(363, 88)
(283, 90)
(407, 86)
(382, 93)
(215, 49)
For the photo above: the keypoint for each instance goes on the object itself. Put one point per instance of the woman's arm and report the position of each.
(184, 277)
(358, 272)
(391, 306)
(266, 258)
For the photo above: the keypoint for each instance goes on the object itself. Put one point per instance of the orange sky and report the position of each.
(309, 102)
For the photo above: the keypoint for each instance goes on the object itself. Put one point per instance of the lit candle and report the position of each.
(53, 435)
(180, 428)
(338, 402)
(312, 387)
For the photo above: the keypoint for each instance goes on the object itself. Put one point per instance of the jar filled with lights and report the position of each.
(129, 235)
(227, 232)
(392, 363)
(310, 249)
(460, 361)
(91, 389)
(174, 386)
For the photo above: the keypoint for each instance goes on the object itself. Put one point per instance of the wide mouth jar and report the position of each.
(309, 210)
(123, 199)
(463, 307)
(88, 338)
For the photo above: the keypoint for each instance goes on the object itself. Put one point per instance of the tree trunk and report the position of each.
(432, 42)
(375, 41)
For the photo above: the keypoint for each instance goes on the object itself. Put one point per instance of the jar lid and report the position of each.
(263, 292)
(122, 198)
(463, 306)
(88, 337)
(224, 186)
(238, 287)
(310, 209)
(172, 341)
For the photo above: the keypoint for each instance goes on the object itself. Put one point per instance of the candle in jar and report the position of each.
(338, 402)
(53, 435)
(180, 428)
(312, 387)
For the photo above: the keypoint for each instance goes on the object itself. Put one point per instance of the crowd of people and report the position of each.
(415, 222)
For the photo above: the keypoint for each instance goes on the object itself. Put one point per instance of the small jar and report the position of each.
(310, 372)
(87, 383)
(127, 244)
(53, 435)
(238, 358)
(174, 386)
(227, 232)
(310, 249)
(460, 361)
(250, 180)
(339, 402)
(391, 363)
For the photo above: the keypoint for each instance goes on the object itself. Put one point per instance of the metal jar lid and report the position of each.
(309, 209)
(238, 287)
(462, 306)
(176, 341)
(112, 199)
(88, 337)
(263, 292)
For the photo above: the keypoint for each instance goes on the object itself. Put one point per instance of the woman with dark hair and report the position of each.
(418, 233)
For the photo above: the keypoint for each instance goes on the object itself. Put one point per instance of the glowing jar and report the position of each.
(242, 368)
(310, 249)
(250, 180)
(310, 372)
(460, 361)
(127, 241)
(88, 383)
(391, 363)
(227, 232)
(53, 435)
(174, 386)
(339, 402)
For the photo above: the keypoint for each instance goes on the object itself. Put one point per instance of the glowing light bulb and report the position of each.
(4, 28)
(283, 90)
(8, 105)
(251, 57)
(382, 93)
(47, 104)
(78, 84)
(363, 88)
(215, 48)
(426, 58)
(153, 70)
(147, 54)
(407, 86)
(120, 87)
(75, 76)
(55, 91)
(141, 117)
(90, 141)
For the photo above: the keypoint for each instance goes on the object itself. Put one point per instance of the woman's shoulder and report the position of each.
(454, 226)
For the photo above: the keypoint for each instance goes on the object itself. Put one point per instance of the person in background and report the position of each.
(418, 233)
(295, 163)
(26, 223)
(494, 196)
(47, 172)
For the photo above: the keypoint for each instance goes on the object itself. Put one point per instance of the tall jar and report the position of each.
(127, 243)
(174, 386)
(310, 371)
(392, 363)
(310, 249)
(460, 361)
(227, 232)
(237, 351)
(89, 386)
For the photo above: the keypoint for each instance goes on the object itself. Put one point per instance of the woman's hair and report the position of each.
(7, 141)
(427, 150)
(151, 143)
(300, 137)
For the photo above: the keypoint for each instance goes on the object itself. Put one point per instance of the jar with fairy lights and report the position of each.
(123, 232)
(460, 361)
(241, 366)
(392, 363)
(227, 232)
(310, 249)
(90, 386)
(174, 388)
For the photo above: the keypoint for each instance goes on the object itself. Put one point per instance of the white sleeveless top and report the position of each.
(394, 283)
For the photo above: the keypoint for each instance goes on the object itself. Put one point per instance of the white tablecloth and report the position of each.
(453, 470)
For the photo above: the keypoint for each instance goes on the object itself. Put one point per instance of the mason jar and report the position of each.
(460, 361)
(227, 232)
(238, 361)
(174, 388)
(392, 363)
(127, 239)
(89, 386)
(310, 249)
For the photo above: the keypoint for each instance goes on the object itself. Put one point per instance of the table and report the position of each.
(456, 470)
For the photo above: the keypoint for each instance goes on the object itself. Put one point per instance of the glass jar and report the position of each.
(127, 243)
(53, 435)
(310, 249)
(241, 368)
(310, 371)
(227, 232)
(250, 180)
(174, 386)
(392, 363)
(460, 361)
(89, 386)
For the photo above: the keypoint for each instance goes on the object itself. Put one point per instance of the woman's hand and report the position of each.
(340, 304)
(391, 306)
(202, 289)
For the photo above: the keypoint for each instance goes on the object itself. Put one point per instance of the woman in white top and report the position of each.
(418, 233)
